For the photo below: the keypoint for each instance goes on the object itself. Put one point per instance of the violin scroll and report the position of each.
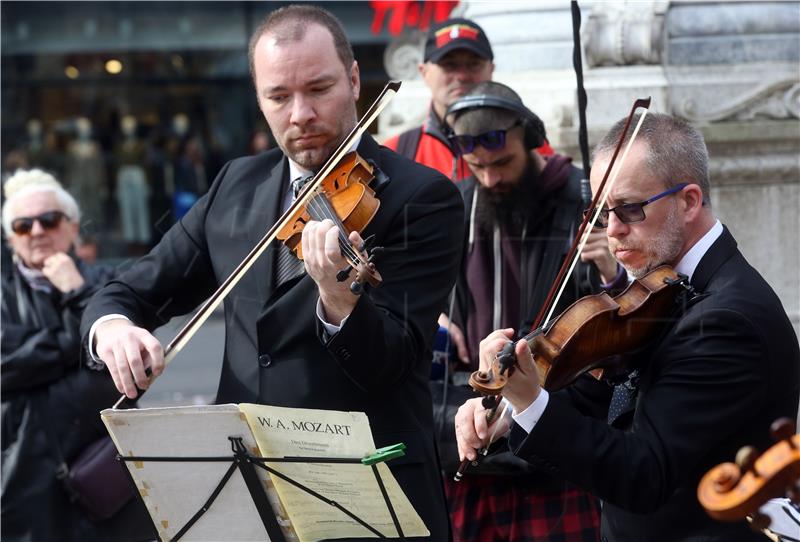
(732, 491)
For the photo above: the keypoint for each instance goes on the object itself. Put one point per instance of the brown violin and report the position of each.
(589, 332)
(733, 491)
(345, 197)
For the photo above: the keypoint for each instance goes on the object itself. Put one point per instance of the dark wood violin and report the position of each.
(734, 491)
(590, 331)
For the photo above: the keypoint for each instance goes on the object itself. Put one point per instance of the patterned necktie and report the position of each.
(623, 399)
(287, 265)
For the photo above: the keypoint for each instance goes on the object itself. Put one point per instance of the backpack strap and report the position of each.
(408, 142)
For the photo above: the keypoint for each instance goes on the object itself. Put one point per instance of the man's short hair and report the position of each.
(289, 24)
(24, 182)
(676, 150)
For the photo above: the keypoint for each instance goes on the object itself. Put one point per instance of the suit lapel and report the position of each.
(720, 251)
(267, 204)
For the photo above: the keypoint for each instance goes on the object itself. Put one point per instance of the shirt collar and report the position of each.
(691, 259)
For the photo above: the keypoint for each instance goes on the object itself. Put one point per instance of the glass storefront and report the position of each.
(136, 105)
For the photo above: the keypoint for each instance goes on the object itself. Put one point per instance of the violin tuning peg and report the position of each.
(489, 402)
(759, 521)
(356, 287)
(746, 459)
(367, 242)
(342, 275)
(782, 429)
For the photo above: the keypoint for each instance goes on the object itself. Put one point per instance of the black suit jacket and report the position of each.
(276, 351)
(724, 370)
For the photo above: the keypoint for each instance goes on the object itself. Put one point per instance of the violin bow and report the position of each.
(308, 192)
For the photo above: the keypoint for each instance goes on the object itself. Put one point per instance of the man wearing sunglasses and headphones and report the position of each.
(523, 211)
(724, 366)
(50, 400)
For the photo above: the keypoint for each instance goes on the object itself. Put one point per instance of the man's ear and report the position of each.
(692, 200)
(355, 80)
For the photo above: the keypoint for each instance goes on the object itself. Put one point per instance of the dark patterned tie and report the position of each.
(287, 265)
(623, 399)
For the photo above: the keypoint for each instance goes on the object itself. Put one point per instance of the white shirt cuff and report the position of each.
(97, 322)
(529, 417)
(331, 329)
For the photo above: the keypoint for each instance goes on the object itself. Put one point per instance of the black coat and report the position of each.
(275, 351)
(725, 369)
(41, 376)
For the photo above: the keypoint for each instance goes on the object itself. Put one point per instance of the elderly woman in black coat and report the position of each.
(50, 398)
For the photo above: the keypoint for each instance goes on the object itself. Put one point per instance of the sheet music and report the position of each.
(173, 492)
(322, 433)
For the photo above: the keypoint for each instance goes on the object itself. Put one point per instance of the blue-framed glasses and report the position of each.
(628, 213)
(491, 141)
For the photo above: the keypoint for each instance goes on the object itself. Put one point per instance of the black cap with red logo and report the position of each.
(455, 34)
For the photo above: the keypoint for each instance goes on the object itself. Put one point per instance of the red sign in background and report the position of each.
(405, 14)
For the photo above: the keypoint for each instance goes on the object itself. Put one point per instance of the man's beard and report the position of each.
(509, 208)
(663, 249)
(313, 158)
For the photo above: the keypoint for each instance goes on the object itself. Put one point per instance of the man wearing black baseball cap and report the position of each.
(457, 57)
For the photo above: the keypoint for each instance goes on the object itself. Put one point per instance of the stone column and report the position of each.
(731, 68)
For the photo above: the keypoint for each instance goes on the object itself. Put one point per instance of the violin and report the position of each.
(589, 332)
(733, 491)
(346, 198)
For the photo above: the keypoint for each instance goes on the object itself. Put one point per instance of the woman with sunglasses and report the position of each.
(50, 400)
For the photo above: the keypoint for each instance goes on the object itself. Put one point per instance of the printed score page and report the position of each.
(290, 432)
(174, 491)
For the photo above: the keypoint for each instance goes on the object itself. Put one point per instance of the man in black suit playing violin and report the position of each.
(723, 368)
(304, 339)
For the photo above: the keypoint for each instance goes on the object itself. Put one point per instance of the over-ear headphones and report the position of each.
(535, 135)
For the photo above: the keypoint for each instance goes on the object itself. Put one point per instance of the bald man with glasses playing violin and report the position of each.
(722, 369)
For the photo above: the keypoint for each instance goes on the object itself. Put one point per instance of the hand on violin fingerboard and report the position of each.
(323, 259)
(523, 386)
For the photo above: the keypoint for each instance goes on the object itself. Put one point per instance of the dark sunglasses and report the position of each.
(628, 213)
(491, 141)
(49, 221)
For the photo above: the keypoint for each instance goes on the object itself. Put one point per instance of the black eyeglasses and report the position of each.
(49, 221)
(628, 213)
(491, 141)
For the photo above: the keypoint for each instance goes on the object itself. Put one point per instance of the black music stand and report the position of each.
(246, 464)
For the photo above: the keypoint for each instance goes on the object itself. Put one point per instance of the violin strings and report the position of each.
(326, 211)
(319, 207)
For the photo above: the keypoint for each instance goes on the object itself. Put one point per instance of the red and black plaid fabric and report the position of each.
(513, 509)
